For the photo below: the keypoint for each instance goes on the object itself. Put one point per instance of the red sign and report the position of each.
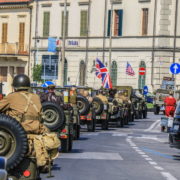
(142, 71)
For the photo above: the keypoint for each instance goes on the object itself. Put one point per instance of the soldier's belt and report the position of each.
(28, 117)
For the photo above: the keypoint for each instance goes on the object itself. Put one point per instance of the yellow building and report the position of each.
(15, 23)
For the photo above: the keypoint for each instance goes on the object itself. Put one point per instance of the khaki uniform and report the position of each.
(26, 108)
(103, 98)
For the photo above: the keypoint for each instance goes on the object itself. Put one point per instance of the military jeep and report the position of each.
(160, 95)
(139, 102)
(59, 119)
(85, 109)
(127, 107)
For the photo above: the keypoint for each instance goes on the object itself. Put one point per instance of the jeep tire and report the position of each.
(13, 141)
(54, 117)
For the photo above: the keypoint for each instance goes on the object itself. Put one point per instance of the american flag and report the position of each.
(129, 70)
(103, 74)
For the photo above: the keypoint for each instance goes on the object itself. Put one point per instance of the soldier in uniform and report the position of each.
(102, 96)
(88, 97)
(52, 96)
(26, 108)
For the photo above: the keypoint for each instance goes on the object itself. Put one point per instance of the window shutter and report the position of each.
(21, 36)
(46, 22)
(84, 21)
(144, 21)
(66, 23)
(4, 32)
(109, 23)
(120, 29)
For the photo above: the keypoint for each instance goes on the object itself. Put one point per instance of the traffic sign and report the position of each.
(145, 90)
(142, 71)
(175, 68)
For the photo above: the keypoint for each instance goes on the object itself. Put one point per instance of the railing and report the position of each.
(13, 48)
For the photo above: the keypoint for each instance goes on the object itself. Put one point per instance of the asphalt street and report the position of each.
(138, 151)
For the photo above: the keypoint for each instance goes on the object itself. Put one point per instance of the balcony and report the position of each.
(13, 49)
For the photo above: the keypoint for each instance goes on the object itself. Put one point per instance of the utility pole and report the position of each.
(110, 37)
(153, 44)
(87, 42)
(63, 45)
(104, 35)
(36, 34)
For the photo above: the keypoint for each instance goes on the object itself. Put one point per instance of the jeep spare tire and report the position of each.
(53, 116)
(83, 105)
(98, 105)
(13, 141)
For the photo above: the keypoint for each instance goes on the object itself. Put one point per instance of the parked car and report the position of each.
(174, 135)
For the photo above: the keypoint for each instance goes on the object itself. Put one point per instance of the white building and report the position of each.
(143, 34)
(15, 22)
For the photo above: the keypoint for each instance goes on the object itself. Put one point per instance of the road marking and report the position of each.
(153, 126)
(158, 168)
(152, 163)
(157, 153)
(91, 134)
(145, 156)
(168, 176)
(92, 155)
(120, 135)
(142, 153)
(148, 159)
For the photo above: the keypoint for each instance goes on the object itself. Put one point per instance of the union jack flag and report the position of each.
(103, 74)
(129, 70)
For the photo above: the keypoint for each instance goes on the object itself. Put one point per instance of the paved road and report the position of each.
(136, 152)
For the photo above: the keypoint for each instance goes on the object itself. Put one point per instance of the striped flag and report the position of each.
(103, 74)
(129, 70)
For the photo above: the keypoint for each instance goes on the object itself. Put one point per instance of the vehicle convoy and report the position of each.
(139, 104)
(160, 95)
(174, 135)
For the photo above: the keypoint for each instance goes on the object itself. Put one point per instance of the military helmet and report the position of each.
(171, 93)
(21, 81)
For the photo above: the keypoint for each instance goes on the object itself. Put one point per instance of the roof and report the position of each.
(13, 1)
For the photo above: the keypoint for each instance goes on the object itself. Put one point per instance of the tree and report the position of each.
(37, 72)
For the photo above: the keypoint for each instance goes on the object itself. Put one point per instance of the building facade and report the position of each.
(144, 33)
(15, 23)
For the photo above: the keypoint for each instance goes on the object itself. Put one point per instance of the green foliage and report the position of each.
(37, 72)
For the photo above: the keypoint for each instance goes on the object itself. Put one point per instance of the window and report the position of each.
(118, 19)
(84, 23)
(46, 22)
(82, 69)
(144, 21)
(114, 73)
(20, 70)
(66, 23)
(117, 24)
(4, 32)
(142, 78)
(21, 36)
(49, 67)
(65, 72)
(3, 74)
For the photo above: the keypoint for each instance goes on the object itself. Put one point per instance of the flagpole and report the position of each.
(104, 38)
(110, 38)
